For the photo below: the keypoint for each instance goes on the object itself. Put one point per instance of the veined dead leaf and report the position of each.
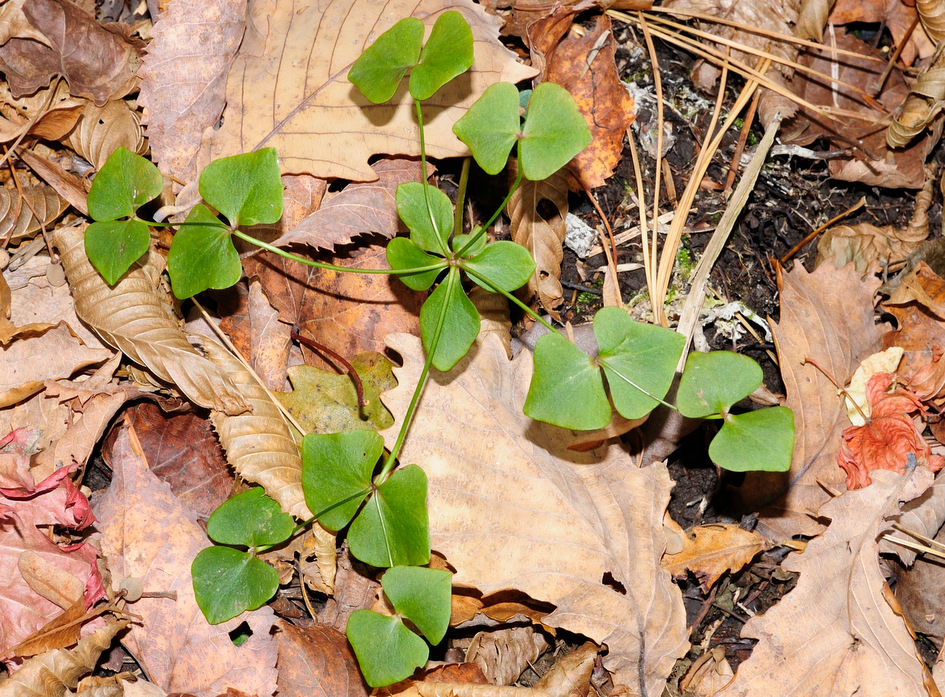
(48, 113)
(502, 654)
(17, 221)
(542, 232)
(921, 106)
(261, 449)
(313, 116)
(512, 508)
(711, 550)
(136, 318)
(932, 16)
(54, 672)
(100, 130)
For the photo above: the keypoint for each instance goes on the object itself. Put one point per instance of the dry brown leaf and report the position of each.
(511, 508)
(101, 66)
(811, 18)
(493, 312)
(836, 330)
(711, 550)
(502, 654)
(707, 675)
(353, 591)
(101, 130)
(135, 316)
(921, 106)
(66, 184)
(932, 16)
(571, 674)
(55, 672)
(317, 660)
(836, 629)
(183, 78)
(260, 447)
(896, 15)
(48, 113)
(924, 515)
(17, 220)
(148, 534)
(313, 116)
(919, 591)
(542, 236)
(872, 247)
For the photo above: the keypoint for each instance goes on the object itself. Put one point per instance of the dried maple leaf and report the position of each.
(890, 435)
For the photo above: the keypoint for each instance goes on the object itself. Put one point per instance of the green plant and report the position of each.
(347, 478)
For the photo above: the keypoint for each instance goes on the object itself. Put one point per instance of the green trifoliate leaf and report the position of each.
(491, 126)
(567, 388)
(392, 528)
(387, 651)
(429, 227)
(228, 581)
(405, 254)
(250, 519)
(638, 359)
(202, 255)
(713, 382)
(422, 596)
(502, 265)
(246, 189)
(460, 325)
(447, 53)
(756, 440)
(337, 470)
(554, 132)
(113, 246)
(125, 183)
(379, 70)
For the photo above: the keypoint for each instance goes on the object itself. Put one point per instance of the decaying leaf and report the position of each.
(502, 654)
(512, 508)
(101, 130)
(17, 220)
(920, 107)
(537, 212)
(836, 629)
(48, 113)
(135, 316)
(711, 550)
(898, 17)
(313, 116)
(317, 660)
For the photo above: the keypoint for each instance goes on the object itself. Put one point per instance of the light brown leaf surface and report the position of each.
(17, 220)
(183, 78)
(542, 236)
(317, 661)
(919, 591)
(512, 508)
(148, 534)
(711, 550)
(135, 316)
(836, 330)
(502, 654)
(101, 130)
(313, 116)
(835, 633)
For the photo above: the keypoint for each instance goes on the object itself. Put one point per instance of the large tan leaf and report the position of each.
(837, 331)
(261, 449)
(315, 118)
(135, 316)
(542, 236)
(835, 633)
(512, 508)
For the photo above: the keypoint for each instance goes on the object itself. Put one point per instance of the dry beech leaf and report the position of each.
(708, 674)
(512, 508)
(921, 106)
(836, 629)
(313, 116)
(711, 550)
(502, 654)
(59, 670)
(101, 130)
(542, 236)
(811, 19)
(261, 449)
(571, 673)
(17, 221)
(932, 16)
(48, 113)
(135, 316)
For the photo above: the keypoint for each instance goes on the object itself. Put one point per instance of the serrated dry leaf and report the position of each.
(135, 316)
(313, 116)
(17, 221)
(542, 236)
(55, 672)
(101, 130)
(711, 550)
(511, 508)
(837, 331)
(183, 78)
(836, 629)
(260, 447)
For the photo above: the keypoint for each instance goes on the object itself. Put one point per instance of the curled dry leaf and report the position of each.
(135, 316)
(55, 672)
(17, 219)
(100, 130)
(921, 106)
(711, 550)
(261, 449)
(542, 236)
(932, 16)
(48, 113)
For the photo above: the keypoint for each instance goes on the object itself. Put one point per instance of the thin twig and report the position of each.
(349, 369)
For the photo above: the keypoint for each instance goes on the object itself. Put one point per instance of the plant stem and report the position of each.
(508, 197)
(352, 373)
(331, 267)
(461, 196)
(444, 248)
(390, 461)
(484, 282)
